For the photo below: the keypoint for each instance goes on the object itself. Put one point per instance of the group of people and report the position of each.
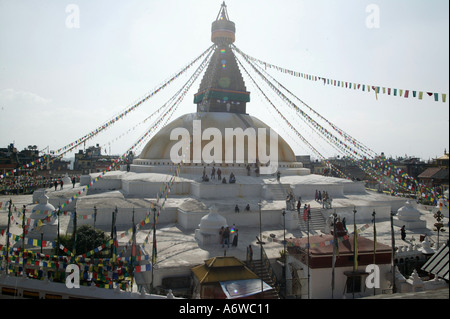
(237, 210)
(306, 212)
(324, 198)
(61, 183)
(249, 168)
(205, 177)
(290, 201)
(228, 235)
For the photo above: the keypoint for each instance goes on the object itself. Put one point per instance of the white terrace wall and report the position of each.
(219, 191)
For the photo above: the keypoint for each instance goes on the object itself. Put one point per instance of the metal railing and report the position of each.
(266, 263)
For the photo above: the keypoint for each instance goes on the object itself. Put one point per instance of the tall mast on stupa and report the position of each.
(222, 88)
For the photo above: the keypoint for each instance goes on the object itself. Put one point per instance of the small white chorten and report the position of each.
(409, 216)
(426, 247)
(209, 227)
(66, 179)
(43, 206)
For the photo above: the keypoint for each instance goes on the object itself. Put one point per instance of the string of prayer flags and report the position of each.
(142, 268)
(346, 84)
(69, 147)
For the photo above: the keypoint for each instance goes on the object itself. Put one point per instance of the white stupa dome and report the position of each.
(43, 206)
(211, 223)
(426, 247)
(408, 212)
(159, 147)
(66, 179)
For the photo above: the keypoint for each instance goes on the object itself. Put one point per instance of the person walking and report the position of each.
(221, 231)
(305, 212)
(403, 232)
(219, 174)
(226, 237)
(235, 238)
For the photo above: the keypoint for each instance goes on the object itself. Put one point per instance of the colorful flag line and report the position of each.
(351, 85)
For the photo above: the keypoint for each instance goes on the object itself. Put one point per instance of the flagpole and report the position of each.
(23, 240)
(355, 248)
(7, 236)
(309, 217)
(374, 244)
(154, 205)
(393, 251)
(334, 253)
(74, 235)
(113, 224)
(113, 237)
(133, 251)
(95, 219)
(58, 234)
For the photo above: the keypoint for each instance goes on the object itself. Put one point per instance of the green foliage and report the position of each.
(282, 255)
(87, 239)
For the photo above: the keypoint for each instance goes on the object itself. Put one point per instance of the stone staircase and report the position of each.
(260, 269)
(277, 191)
(316, 223)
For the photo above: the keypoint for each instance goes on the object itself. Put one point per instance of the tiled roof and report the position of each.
(438, 263)
(435, 172)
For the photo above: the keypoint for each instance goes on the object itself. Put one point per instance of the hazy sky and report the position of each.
(58, 83)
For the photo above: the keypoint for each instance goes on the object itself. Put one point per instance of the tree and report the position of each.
(88, 238)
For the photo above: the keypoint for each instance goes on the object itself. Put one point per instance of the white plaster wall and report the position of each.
(189, 220)
(107, 184)
(208, 190)
(309, 190)
(354, 188)
(320, 281)
(141, 188)
(145, 278)
(251, 219)
(363, 214)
